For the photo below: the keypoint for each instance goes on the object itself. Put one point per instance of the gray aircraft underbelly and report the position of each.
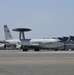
(51, 45)
(69, 46)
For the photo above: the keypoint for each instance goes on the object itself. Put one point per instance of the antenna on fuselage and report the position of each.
(21, 32)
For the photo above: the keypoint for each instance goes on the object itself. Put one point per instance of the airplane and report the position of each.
(9, 41)
(37, 44)
(68, 42)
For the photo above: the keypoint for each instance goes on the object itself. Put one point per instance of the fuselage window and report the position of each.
(36, 42)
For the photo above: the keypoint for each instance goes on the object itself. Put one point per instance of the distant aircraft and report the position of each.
(37, 44)
(68, 42)
(9, 41)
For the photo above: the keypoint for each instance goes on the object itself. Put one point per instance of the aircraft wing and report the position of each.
(18, 46)
(3, 41)
(2, 45)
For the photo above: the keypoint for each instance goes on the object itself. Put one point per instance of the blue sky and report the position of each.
(46, 18)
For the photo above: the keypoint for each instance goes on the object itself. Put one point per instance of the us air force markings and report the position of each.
(36, 63)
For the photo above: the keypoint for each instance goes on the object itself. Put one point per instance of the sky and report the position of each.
(46, 18)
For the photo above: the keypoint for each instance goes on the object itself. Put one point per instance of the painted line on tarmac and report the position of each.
(48, 52)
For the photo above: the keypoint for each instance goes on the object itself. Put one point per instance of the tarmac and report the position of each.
(17, 62)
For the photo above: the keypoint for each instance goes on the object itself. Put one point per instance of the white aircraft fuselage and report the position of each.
(13, 41)
(42, 43)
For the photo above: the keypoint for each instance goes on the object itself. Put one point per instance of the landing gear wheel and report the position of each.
(56, 49)
(25, 49)
(36, 49)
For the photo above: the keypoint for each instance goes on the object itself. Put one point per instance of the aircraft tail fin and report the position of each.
(71, 38)
(8, 35)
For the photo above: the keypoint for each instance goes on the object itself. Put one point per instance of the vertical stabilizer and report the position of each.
(8, 35)
(71, 39)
